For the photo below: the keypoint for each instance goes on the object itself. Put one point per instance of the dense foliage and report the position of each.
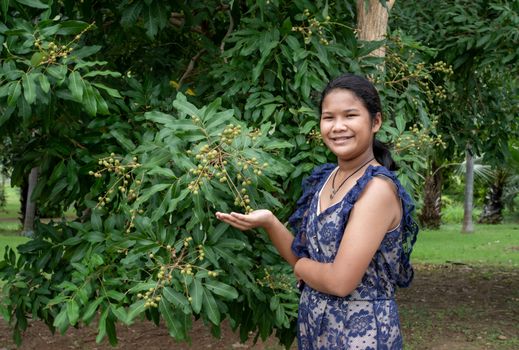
(148, 116)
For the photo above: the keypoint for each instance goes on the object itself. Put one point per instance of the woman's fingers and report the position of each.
(234, 221)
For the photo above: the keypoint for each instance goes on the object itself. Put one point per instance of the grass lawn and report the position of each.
(12, 241)
(489, 245)
(13, 203)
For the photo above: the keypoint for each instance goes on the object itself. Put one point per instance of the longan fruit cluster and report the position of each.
(315, 137)
(314, 26)
(419, 138)
(113, 164)
(230, 132)
(210, 160)
(150, 298)
(201, 253)
(179, 262)
(275, 281)
(242, 198)
(255, 134)
(217, 160)
(401, 71)
(52, 52)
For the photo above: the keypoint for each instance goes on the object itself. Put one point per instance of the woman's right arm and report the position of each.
(279, 235)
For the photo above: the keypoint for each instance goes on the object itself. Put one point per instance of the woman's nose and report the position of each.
(339, 125)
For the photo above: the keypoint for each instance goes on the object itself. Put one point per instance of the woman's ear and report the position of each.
(377, 122)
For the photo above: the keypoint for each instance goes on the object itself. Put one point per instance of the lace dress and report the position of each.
(368, 317)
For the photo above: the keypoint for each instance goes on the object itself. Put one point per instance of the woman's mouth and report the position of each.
(340, 139)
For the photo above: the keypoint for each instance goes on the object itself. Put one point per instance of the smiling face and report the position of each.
(346, 126)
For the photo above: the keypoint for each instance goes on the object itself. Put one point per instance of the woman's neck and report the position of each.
(350, 165)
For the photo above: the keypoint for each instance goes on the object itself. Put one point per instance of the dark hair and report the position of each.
(368, 94)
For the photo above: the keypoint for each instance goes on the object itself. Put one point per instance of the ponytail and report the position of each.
(383, 155)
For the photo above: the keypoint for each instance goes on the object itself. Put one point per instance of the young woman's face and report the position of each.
(346, 126)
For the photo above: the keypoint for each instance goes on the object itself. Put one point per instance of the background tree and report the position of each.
(114, 134)
(481, 103)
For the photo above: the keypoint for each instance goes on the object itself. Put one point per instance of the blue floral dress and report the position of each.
(368, 317)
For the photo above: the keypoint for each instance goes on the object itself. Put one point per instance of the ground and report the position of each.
(448, 307)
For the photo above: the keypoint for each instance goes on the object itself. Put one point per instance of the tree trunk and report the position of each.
(3, 198)
(492, 211)
(430, 215)
(372, 22)
(468, 203)
(30, 208)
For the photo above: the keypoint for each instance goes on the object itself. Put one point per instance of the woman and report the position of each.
(353, 229)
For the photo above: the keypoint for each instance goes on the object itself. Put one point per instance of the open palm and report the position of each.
(257, 218)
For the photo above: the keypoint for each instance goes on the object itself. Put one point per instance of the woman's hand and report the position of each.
(258, 218)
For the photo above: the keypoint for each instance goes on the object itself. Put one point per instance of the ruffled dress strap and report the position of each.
(298, 220)
(408, 226)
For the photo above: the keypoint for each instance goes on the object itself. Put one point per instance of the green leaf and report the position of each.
(44, 83)
(159, 117)
(86, 51)
(29, 88)
(95, 237)
(183, 105)
(76, 85)
(221, 289)
(177, 299)
(49, 30)
(147, 193)
(36, 58)
(110, 91)
(89, 100)
(58, 187)
(400, 122)
(75, 240)
(57, 71)
(135, 309)
(131, 14)
(101, 326)
(174, 202)
(4, 6)
(61, 321)
(14, 94)
(275, 144)
(91, 309)
(4, 88)
(121, 314)
(196, 293)
(211, 308)
(102, 106)
(71, 27)
(115, 295)
(218, 119)
(274, 303)
(72, 311)
(174, 326)
(127, 144)
(103, 73)
(34, 3)
(96, 221)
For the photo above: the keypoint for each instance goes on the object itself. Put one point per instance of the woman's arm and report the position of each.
(278, 233)
(376, 211)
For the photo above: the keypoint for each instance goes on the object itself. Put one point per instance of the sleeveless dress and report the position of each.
(367, 318)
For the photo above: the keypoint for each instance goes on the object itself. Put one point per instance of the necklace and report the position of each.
(334, 191)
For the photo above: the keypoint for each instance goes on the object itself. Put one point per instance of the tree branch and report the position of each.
(190, 67)
(229, 31)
